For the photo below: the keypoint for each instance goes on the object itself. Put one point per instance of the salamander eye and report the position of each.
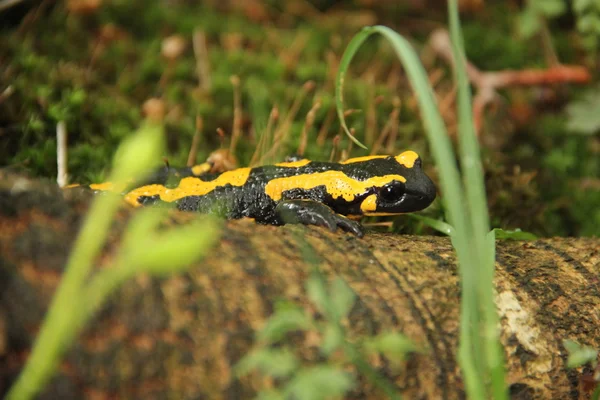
(392, 191)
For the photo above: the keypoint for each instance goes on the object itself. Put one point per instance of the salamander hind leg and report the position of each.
(310, 212)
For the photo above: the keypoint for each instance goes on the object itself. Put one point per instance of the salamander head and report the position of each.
(403, 186)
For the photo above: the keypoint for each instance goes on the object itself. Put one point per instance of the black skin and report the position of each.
(306, 206)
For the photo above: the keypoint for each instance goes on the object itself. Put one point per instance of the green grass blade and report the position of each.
(454, 202)
(451, 185)
(481, 270)
(480, 352)
(474, 270)
(470, 157)
(493, 351)
(434, 124)
(349, 53)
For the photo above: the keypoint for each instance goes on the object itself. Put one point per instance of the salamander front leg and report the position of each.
(310, 212)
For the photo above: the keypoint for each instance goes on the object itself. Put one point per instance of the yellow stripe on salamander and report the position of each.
(337, 184)
(292, 164)
(361, 159)
(190, 186)
(406, 158)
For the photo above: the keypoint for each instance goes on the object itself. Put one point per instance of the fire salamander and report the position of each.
(298, 191)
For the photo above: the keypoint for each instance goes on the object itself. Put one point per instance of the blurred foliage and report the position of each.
(586, 12)
(334, 369)
(588, 22)
(96, 68)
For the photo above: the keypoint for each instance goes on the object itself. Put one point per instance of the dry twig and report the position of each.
(61, 154)
(308, 123)
(237, 113)
(265, 138)
(283, 129)
(192, 155)
(202, 61)
(334, 148)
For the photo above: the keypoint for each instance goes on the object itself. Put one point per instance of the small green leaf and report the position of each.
(438, 225)
(317, 292)
(283, 322)
(395, 346)
(58, 112)
(579, 6)
(589, 23)
(571, 346)
(276, 363)
(76, 97)
(332, 339)
(320, 382)
(590, 41)
(551, 8)
(349, 53)
(578, 354)
(138, 152)
(516, 234)
(529, 23)
(342, 298)
(583, 116)
(284, 305)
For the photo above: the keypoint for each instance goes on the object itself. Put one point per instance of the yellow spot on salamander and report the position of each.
(201, 169)
(361, 159)
(190, 186)
(369, 204)
(292, 164)
(336, 183)
(407, 158)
